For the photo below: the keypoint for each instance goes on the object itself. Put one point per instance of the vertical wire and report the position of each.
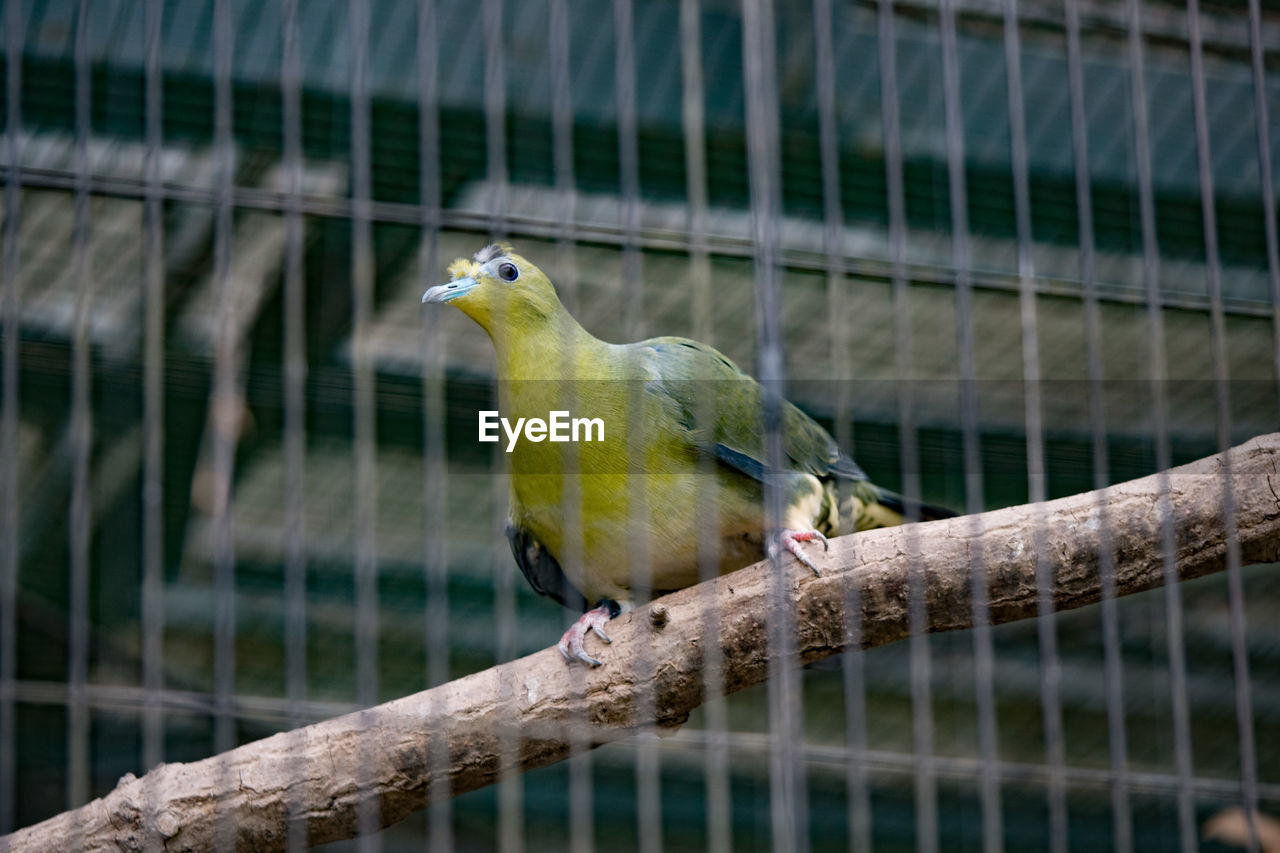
(505, 612)
(648, 781)
(786, 780)
(1112, 652)
(581, 789)
(648, 792)
(153, 617)
(80, 519)
(1261, 122)
(225, 417)
(12, 318)
(435, 481)
(715, 769)
(1261, 119)
(363, 415)
(295, 382)
(558, 49)
(562, 124)
(694, 125)
(628, 164)
(559, 31)
(511, 824)
(511, 784)
(295, 370)
(495, 120)
(1235, 580)
(858, 795)
(558, 38)
(560, 56)
(1037, 487)
(1158, 380)
(992, 826)
(926, 785)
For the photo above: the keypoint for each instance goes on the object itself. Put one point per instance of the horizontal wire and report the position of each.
(968, 769)
(404, 213)
(122, 697)
(271, 709)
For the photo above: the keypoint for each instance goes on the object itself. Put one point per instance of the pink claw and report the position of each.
(791, 539)
(593, 620)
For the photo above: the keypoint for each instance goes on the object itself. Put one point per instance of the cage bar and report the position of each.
(1158, 379)
(1112, 652)
(1221, 382)
(9, 570)
(80, 520)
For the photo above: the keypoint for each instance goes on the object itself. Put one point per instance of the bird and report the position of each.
(600, 526)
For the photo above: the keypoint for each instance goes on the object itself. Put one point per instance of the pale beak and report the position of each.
(446, 292)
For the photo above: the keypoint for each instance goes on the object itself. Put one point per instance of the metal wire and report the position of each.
(9, 423)
(628, 165)
(558, 51)
(80, 518)
(715, 769)
(1261, 121)
(153, 616)
(1112, 663)
(788, 811)
(1037, 486)
(495, 118)
(694, 126)
(858, 795)
(435, 484)
(511, 787)
(295, 368)
(656, 239)
(984, 655)
(922, 728)
(225, 413)
(1235, 583)
(581, 763)
(648, 781)
(963, 769)
(365, 474)
(1160, 406)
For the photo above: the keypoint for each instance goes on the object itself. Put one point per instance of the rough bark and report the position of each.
(371, 768)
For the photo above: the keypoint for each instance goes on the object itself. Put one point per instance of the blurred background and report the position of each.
(1026, 249)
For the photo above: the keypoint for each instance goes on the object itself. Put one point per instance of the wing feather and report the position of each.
(722, 408)
(542, 570)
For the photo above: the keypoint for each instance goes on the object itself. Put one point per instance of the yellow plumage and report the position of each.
(678, 473)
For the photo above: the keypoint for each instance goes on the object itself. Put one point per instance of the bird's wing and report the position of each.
(541, 570)
(722, 409)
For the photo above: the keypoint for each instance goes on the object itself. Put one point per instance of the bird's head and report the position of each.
(497, 288)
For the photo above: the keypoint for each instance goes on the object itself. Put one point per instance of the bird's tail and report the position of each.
(876, 507)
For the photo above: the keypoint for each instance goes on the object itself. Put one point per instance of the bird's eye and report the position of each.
(508, 272)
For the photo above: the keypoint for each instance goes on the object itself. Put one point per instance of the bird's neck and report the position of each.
(554, 347)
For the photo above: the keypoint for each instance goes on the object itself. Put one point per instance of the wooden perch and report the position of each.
(371, 768)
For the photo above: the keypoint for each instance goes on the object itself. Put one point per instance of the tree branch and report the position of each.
(371, 768)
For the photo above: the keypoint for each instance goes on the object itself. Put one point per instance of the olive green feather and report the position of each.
(682, 462)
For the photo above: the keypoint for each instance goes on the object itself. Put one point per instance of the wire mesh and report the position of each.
(1002, 252)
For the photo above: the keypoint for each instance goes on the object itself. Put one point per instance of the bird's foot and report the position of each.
(791, 539)
(593, 620)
